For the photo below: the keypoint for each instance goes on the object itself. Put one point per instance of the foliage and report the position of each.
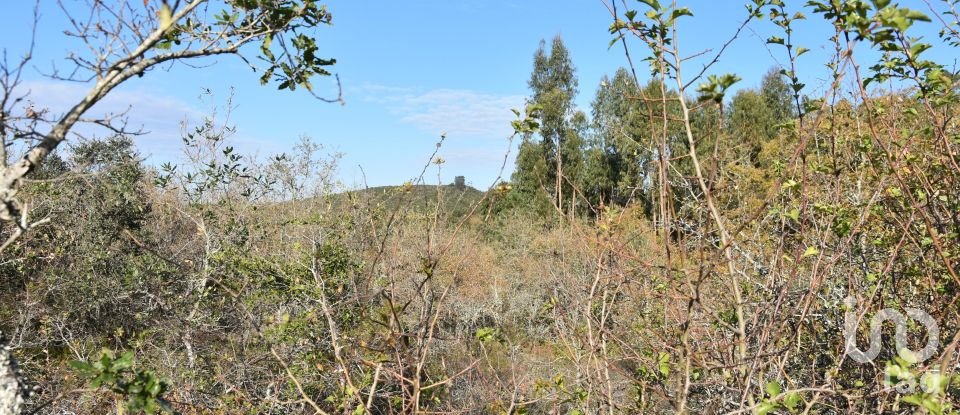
(545, 163)
(695, 245)
(142, 390)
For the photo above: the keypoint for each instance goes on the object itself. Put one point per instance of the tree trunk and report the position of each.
(559, 177)
(12, 391)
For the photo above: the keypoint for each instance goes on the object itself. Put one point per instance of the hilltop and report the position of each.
(420, 197)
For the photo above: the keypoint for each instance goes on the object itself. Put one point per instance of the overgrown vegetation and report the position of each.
(681, 249)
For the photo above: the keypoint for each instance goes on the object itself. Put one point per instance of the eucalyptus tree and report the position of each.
(553, 84)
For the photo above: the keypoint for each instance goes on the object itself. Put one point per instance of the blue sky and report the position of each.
(410, 71)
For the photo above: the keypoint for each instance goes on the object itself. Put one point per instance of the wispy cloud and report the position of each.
(457, 112)
(158, 114)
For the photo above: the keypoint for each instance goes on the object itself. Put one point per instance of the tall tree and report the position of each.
(531, 176)
(620, 147)
(777, 96)
(553, 84)
(751, 123)
(755, 116)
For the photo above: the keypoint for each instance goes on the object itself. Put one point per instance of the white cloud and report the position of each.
(155, 113)
(457, 112)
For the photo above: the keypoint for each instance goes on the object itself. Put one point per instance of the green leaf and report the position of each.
(917, 15)
(895, 373)
(775, 39)
(812, 105)
(124, 362)
(663, 364)
(267, 41)
(934, 383)
(908, 356)
(654, 4)
(811, 251)
(772, 388)
(792, 400)
(154, 387)
(794, 214)
(766, 407)
(727, 80)
(614, 41)
(802, 50)
(918, 48)
(106, 358)
(485, 334)
(683, 11)
(912, 399)
(81, 366)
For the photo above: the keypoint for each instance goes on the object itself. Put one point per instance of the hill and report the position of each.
(424, 198)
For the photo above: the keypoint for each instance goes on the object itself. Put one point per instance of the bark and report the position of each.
(12, 389)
